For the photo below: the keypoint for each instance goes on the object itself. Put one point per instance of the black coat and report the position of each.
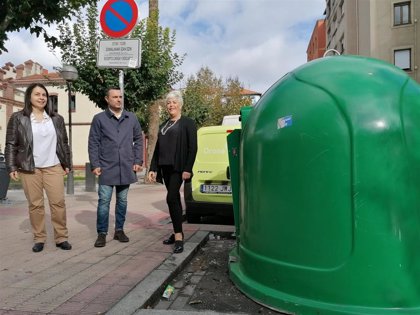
(186, 148)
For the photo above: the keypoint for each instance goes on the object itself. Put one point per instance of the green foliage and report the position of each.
(141, 86)
(34, 15)
(202, 92)
(207, 99)
(233, 99)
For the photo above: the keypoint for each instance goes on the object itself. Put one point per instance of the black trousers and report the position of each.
(173, 182)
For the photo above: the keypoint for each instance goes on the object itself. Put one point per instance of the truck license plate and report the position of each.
(216, 189)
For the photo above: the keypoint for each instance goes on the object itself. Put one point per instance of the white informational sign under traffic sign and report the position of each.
(119, 53)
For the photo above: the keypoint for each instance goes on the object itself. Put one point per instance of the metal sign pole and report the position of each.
(122, 53)
(121, 81)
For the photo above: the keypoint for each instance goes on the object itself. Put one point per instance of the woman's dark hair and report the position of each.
(27, 109)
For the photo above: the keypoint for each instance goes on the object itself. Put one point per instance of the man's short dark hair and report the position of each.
(111, 88)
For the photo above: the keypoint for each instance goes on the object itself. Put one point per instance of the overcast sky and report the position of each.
(257, 41)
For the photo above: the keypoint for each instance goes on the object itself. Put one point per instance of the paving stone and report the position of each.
(179, 284)
(188, 289)
(180, 303)
(196, 278)
(70, 308)
(163, 305)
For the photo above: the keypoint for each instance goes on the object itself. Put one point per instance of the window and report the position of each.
(402, 13)
(402, 59)
(341, 50)
(73, 103)
(54, 102)
(328, 8)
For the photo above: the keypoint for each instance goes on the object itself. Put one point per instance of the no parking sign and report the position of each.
(119, 17)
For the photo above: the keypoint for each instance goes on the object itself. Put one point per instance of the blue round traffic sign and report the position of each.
(119, 17)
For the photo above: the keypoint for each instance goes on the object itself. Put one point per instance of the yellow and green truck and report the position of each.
(209, 192)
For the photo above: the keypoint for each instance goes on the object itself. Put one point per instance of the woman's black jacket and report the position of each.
(19, 143)
(186, 148)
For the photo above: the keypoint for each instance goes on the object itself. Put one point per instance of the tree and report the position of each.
(154, 108)
(207, 99)
(34, 15)
(201, 93)
(233, 100)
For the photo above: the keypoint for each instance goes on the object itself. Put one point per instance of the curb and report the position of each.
(173, 312)
(150, 288)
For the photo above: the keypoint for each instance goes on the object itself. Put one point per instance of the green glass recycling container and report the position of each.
(329, 198)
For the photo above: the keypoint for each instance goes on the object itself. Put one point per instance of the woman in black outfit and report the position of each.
(173, 160)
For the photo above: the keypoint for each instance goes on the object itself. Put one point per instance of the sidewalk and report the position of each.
(120, 278)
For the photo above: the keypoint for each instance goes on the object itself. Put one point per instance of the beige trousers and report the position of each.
(50, 179)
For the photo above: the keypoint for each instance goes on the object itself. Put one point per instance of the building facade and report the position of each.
(13, 84)
(382, 29)
(317, 43)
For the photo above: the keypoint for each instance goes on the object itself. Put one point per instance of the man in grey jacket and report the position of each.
(116, 155)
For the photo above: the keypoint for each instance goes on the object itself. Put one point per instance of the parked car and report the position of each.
(209, 192)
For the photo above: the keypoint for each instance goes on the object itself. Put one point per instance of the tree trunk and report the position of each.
(154, 109)
(153, 130)
(153, 6)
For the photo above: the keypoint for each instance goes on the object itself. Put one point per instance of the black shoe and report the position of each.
(64, 245)
(101, 240)
(120, 236)
(38, 247)
(179, 247)
(170, 240)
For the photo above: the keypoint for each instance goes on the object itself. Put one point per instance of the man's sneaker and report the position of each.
(101, 240)
(120, 236)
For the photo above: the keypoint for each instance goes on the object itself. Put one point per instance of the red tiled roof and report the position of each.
(50, 78)
(249, 92)
(35, 77)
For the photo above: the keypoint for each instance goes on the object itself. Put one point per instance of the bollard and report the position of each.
(90, 179)
(4, 178)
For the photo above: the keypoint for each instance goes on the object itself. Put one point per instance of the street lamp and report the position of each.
(69, 73)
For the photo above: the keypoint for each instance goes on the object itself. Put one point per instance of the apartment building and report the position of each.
(383, 29)
(317, 43)
(13, 84)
